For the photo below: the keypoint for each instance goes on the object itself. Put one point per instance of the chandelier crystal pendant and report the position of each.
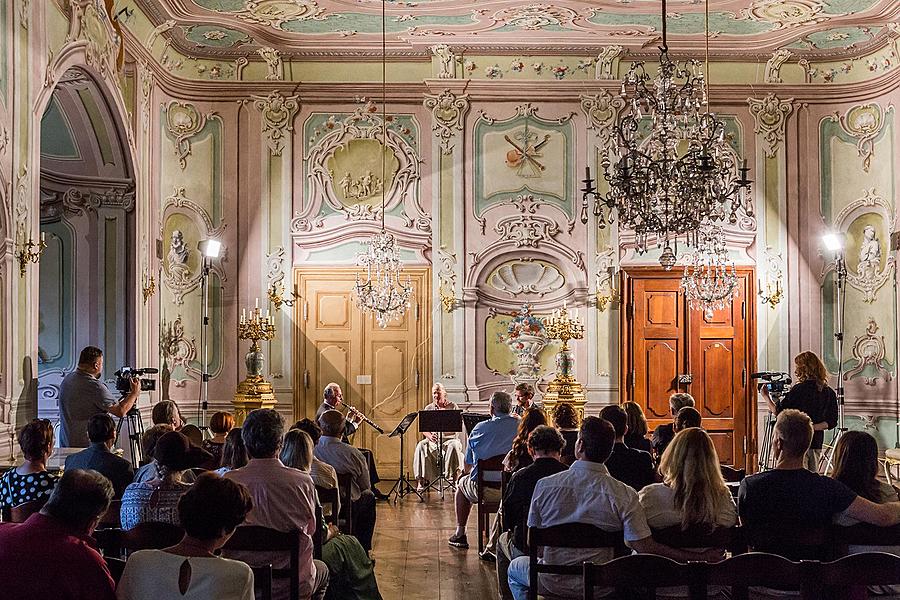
(382, 293)
(673, 169)
(710, 281)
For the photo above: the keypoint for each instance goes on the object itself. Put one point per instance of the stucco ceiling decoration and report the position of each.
(311, 28)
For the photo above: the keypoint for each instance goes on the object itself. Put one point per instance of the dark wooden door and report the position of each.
(670, 347)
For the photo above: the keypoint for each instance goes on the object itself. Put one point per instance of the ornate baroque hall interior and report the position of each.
(259, 197)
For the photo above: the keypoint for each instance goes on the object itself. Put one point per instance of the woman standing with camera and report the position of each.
(813, 396)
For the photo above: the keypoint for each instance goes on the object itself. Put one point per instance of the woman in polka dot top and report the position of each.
(30, 481)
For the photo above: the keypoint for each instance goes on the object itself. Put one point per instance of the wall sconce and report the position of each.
(448, 300)
(772, 294)
(28, 251)
(148, 286)
(607, 290)
(277, 299)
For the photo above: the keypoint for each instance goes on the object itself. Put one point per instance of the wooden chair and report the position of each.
(848, 577)
(694, 537)
(795, 543)
(732, 475)
(569, 535)
(112, 517)
(116, 566)
(252, 538)
(643, 574)
(493, 464)
(20, 513)
(329, 497)
(345, 518)
(863, 534)
(109, 541)
(321, 533)
(743, 571)
(262, 582)
(151, 535)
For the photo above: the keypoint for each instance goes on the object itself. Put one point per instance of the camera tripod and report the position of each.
(135, 434)
(765, 450)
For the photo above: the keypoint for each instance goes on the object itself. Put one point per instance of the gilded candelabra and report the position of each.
(563, 325)
(29, 251)
(254, 391)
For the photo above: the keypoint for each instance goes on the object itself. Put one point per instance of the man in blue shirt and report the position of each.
(486, 440)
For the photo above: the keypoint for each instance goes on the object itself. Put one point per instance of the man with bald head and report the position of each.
(348, 460)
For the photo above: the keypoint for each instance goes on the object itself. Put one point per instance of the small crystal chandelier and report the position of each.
(709, 281)
(674, 170)
(383, 293)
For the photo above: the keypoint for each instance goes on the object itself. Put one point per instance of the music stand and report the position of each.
(403, 485)
(440, 422)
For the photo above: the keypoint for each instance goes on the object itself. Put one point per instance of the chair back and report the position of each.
(151, 535)
(329, 497)
(863, 569)
(505, 476)
(493, 464)
(253, 538)
(345, 518)
(109, 541)
(20, 513)
(795, 543)
(642, 574)
(320, 534)
(116, 567)
(568, 535)
(761, 569)
(864, 534)
(262, 582)
(112, 517)
(694, 537)
(732, 475)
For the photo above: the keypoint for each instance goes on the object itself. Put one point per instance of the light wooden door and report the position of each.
(385, 373)
(669, 347)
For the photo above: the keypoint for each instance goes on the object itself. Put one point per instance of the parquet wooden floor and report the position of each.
(413, 560)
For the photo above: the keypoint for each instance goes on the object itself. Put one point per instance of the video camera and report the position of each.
(126, 374)
(777, 382)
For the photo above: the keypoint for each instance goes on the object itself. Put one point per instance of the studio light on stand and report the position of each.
(209, 249)
(834, 243)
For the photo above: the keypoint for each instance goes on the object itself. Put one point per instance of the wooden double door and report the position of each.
(669, 347)
(384, 372)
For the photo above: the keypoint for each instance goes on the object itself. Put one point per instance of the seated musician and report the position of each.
(426, 457)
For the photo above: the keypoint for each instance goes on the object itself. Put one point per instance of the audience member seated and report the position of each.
(663, 434)
(778, 505)
(157, 500)
(52, 554)
(571, 496)
(518, 457)
(488, 439)
(219, 424)
(209, 511)
(566, 420)
(687, 417)
(148, 470)
(166, 412)
(322, 473)
(30, 481)
(297, 453)
(99, 457)
(545, 445)
(284, 499)
(636, 437)
(234, 454)
(348, 460)
(426, 455)
(524, 399)
(693, 493)
(351, 572)
(631, 467)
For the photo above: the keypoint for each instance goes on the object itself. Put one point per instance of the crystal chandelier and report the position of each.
(709, 281)
(673, 170)
(383, 293)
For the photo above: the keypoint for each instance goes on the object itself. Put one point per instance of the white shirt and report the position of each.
(153, 575)
(585, 493)
(658, 501)
(345, 459)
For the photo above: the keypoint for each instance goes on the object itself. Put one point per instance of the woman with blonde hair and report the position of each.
(637, 428)
(693, 492)
(811, 395)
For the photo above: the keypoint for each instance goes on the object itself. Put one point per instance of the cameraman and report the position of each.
(813, 396)
(82, 395)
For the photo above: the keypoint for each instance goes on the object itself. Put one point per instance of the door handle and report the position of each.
(685, 379)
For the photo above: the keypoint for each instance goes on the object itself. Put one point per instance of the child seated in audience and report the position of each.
(209, 512)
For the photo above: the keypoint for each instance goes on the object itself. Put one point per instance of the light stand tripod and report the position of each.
(209, 249)
(403, 486)
(826, 460)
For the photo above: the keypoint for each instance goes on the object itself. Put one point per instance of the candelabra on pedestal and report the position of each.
(254, 391)
(563, 325)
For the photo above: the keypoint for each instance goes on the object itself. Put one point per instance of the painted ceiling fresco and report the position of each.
(752, 28)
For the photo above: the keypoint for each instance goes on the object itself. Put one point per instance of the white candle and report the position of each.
(243, 315)
(268, 313)
(257, 303)
(42, 236)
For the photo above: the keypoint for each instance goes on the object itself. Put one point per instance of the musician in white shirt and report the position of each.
(426, 457)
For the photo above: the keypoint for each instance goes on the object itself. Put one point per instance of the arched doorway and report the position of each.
(87, 191)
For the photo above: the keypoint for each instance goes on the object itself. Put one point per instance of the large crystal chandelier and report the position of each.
(382, 293)
(709, 281)
(673, 169)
